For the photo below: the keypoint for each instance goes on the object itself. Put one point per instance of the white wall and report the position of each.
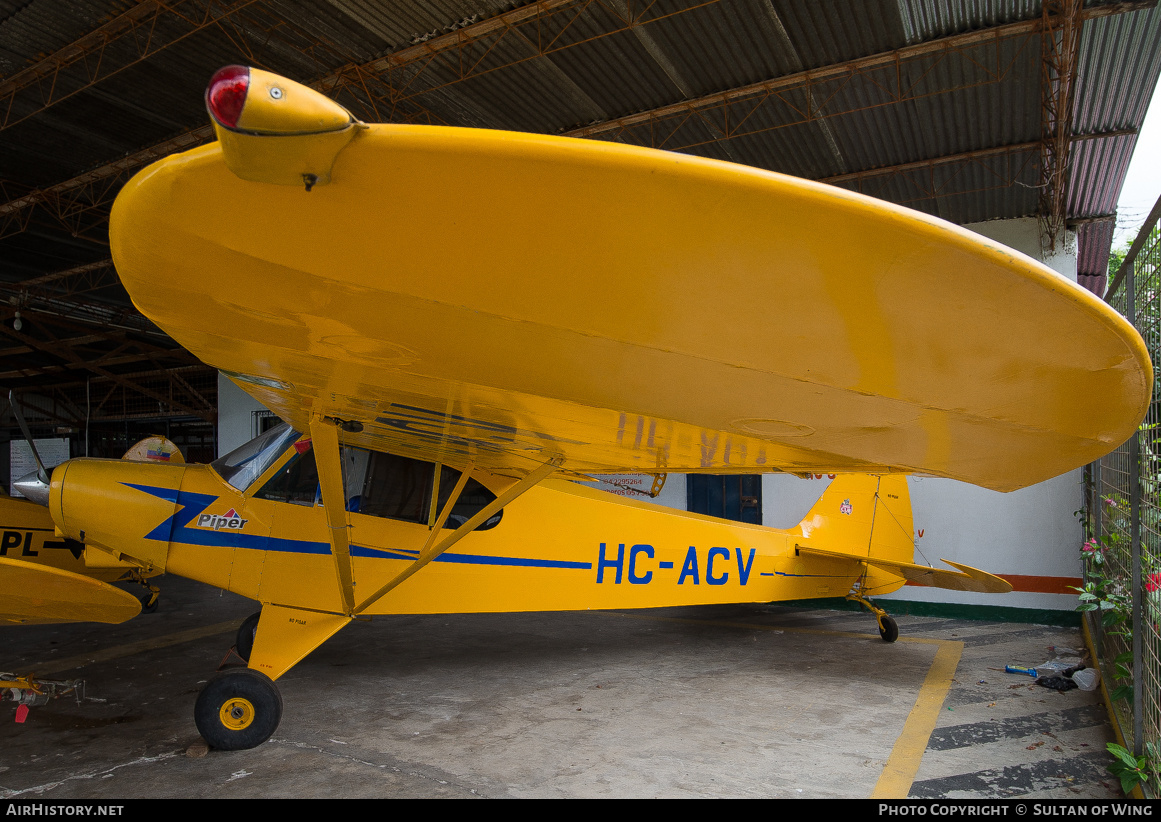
(1023, 234)
(1032, 532)
(235, 416)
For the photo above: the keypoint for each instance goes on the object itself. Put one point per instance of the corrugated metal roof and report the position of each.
(925, 20)
(927, 127)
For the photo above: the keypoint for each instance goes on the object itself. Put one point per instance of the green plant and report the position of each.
(1136, 770)
(1108, 593)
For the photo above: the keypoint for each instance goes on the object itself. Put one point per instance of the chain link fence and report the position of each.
(1124, 518)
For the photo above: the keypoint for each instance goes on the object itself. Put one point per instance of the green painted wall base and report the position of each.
(985, 613)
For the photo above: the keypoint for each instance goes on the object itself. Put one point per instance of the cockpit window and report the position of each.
(382, 485)
(400, 488)
(296, 481)
(245, 464)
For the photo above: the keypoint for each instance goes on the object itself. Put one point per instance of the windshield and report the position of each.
(243, 465)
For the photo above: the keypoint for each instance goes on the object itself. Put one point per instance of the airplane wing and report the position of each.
(506, 299)
(33, 594)
(965, 578)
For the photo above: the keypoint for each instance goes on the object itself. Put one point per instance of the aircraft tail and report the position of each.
(863, 515)
(866, 519)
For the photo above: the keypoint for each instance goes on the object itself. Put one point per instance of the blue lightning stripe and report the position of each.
(190, 506)
(803, 576)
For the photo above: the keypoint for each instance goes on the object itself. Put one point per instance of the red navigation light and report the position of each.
(226, 94)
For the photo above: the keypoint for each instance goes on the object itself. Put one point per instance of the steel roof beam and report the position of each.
(377, 89)
(537, 24)
(1059, 48)
(1017, 159)
(55, 348)
(70, 282)
(738, 105)
(72, 395)
(129, 38)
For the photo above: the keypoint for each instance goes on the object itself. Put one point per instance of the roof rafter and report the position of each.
(1059, 49)
(59, 348)
(964, 157)
(727, 113)
(81, 203)
(129, 38)
(377, 89)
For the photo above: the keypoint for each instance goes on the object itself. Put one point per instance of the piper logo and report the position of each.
(230, 519)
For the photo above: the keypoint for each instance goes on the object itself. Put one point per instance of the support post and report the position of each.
(324, 434)
(1135, 553)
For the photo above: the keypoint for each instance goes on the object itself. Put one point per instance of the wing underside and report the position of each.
(617, 309)
(36, 594)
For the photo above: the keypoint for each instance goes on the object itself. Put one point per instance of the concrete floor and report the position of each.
(732, 701)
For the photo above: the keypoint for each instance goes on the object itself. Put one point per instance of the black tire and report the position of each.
(888, 629)
(238, 709)
(149, 603)
(244, 641)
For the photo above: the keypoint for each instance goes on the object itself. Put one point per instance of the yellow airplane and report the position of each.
(455, 324)
(44, 579)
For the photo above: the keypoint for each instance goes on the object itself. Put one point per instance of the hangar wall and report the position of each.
(235, 415)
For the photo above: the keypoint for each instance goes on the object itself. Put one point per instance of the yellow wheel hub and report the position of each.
(236, 713)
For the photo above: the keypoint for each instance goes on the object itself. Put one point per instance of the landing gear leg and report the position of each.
(238, 709)
(888, 628)
(151, 595)
(244, 641)
(150, 599)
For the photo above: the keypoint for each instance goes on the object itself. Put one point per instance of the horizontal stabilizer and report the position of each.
(37, 595)
(965, 578)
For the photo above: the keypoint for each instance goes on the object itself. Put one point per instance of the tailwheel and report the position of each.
(151, 594)
(888, 628)
(244, 641)
(150, 599)
(238, 709)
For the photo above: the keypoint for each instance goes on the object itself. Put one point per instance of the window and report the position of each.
(296, 482)
(400, 488)
(731, 496)
(246, 463)
(383, 485)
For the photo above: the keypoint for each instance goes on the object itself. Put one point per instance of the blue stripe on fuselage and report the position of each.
(190, 505)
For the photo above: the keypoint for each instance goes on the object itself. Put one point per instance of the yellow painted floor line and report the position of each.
(58, 666)
(903, 764)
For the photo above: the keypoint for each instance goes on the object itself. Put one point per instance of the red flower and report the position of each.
(1153, 582)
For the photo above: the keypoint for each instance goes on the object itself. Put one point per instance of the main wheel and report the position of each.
(888, 629)
(244, 641)
(238, 709)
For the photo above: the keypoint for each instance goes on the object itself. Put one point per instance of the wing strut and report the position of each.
(429, 553)
(324, 433)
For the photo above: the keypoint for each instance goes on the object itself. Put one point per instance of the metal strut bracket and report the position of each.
(856, 596)
(324, 434)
